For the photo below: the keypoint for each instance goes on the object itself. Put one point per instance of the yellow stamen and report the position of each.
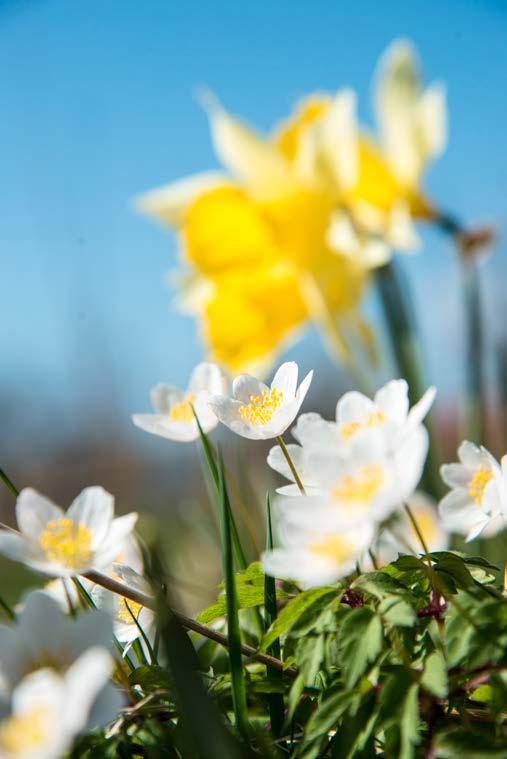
(182, 412)
(22, 733)
(261, 407)
(361, 488)
(124, 615)
(334, 548)
(66, 542)
(375, 419)
(477, 484)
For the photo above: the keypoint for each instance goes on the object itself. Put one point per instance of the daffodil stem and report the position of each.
(474, 403)
(289, 461)
(400, 322)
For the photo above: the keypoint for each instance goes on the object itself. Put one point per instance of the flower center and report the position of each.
(21, 733)
(477, 484)
(66, 542)
(334, 548)
(124, 615)
(361, 488)
(182, 412)
(375, 419)
(261, 407)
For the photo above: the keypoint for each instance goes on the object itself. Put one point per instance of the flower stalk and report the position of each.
(401, 328)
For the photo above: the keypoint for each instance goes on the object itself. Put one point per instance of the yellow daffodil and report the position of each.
(258, 237)
(287, 233)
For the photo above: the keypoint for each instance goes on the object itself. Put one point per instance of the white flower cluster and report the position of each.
(356, 472)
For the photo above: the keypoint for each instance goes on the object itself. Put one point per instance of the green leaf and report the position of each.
(380, 584)
(463, 743)
(309, 656)
(360, 642)
(215, 476)
(291, 613)
(456, 568)
(231, 602)
(397, 612)
(276, 703)
(399, 711)
(248, 597)
(150, 678)
(434, 678)
(329, 711)
(295, 692)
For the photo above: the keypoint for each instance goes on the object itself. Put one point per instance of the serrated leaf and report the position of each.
(434, 678)
(399, 710)
(379, 584)
(328, 713)
(397, 612)
(150, 678)
(248, 597)
(309, 656)
(406, 563)
(291, 612)
(457, 569)
(360, 641)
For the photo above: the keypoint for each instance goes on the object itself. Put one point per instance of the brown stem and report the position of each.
(190, 624)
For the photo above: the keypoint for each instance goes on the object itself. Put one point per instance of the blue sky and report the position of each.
(97, 103)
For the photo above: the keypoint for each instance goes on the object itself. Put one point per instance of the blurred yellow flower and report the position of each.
(288, 233)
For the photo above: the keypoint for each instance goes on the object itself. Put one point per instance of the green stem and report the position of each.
(8, 483)
(276, 703)
(289, 461)
(400, 322)
(474, 402)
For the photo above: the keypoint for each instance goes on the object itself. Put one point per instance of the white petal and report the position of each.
(248, 156)
(225, 409)
(209, 377)
(458, 511)
(34, 511)
(163, 397)
(42, 627)
(401, 232)
(474, 456)
(354, 407)
(94, 508)
(392, 400)
(339, 128)
(169, 203)
(432, 121)
(162, 426)
(286, 380)
(245, 386)
(84, 679)
(303, 389)
(455, 475)
(120, 528)
(419, 410)
(14, 546)
(277, 461)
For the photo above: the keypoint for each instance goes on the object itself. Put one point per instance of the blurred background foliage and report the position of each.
(98, 104)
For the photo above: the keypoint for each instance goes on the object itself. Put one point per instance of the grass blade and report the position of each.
(239, 554)
(233, 630)
(203, 729)
(276, 704)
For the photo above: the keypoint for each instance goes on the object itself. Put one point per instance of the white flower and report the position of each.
(317, 553)
(413, 121)
(125, 612)
(386, 421)
(47, 710)
(259, 412)
(45, 637)
(66, 544)
(364, 430)
(174, 409)
(399, 536)
(128, 554)
(358, 488)
(478, 498)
